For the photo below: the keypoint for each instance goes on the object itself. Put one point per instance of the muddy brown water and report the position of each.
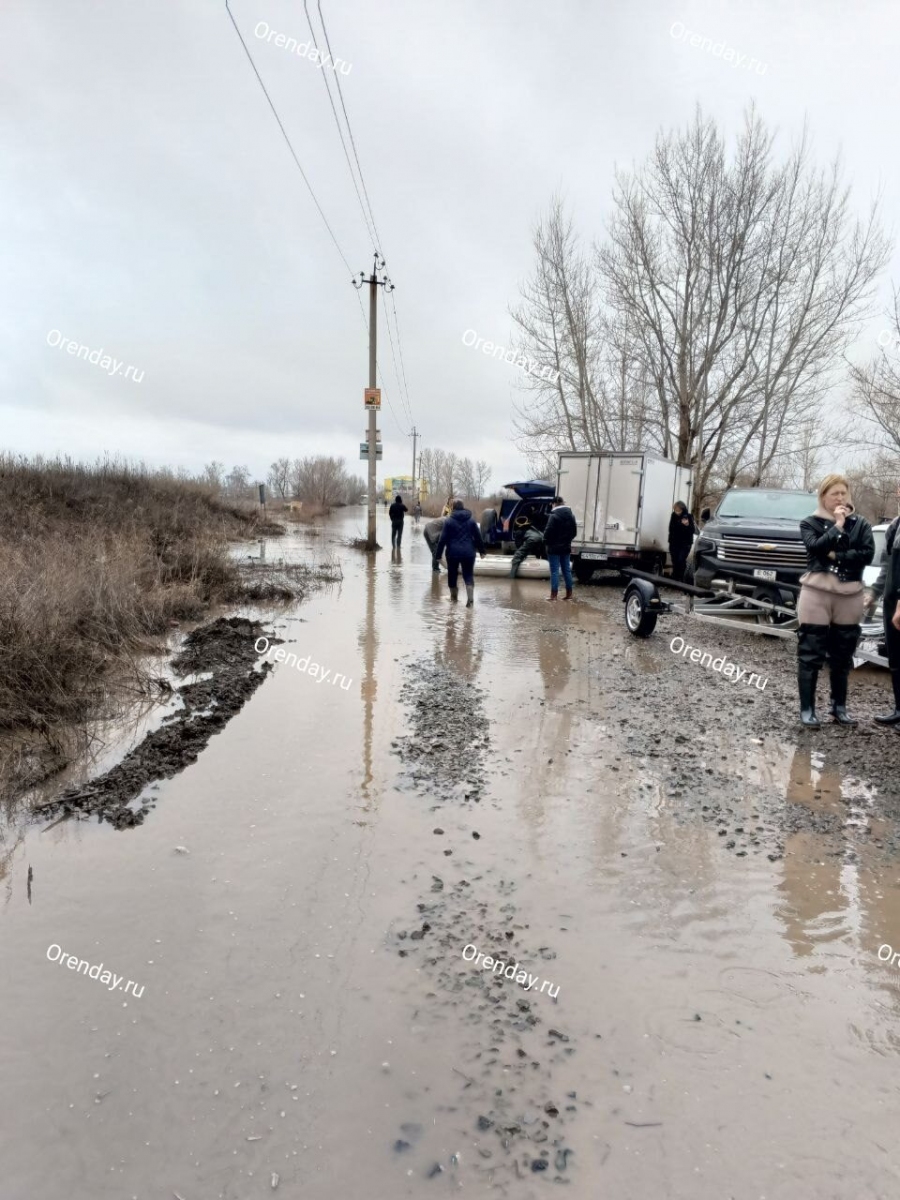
(280, 1033)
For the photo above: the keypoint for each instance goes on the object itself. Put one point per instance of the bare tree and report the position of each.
(876, 386)
(711, 322)
(237, 483)
(279, 477)
(746, 281)
(320, 480)
(466, 483)
(214, 475)
(482, 477)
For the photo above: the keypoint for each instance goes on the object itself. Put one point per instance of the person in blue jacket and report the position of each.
(461, 538)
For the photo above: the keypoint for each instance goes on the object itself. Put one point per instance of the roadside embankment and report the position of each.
(98, 562)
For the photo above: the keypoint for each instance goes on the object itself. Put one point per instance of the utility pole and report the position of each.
(414, 435)
(373, 395)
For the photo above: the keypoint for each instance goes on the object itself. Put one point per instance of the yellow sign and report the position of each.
(372, 398)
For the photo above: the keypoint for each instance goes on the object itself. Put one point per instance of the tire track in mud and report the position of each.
(513, 1101)
(226, 650)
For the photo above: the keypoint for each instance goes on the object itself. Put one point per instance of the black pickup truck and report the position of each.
(753, 539)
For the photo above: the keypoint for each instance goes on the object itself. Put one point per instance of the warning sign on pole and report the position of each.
(373, 398)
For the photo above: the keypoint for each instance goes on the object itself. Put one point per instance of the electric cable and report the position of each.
(370, 225)
(286, 138)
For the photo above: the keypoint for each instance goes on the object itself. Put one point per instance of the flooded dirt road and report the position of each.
(700, 890)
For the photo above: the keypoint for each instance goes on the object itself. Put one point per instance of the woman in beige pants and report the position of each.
(839, 545)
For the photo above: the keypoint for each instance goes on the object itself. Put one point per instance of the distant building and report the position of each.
(403, 485)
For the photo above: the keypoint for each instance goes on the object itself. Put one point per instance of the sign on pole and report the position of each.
(364, 450)
(372, 398)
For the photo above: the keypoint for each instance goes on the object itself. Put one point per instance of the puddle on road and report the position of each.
(734, 1031)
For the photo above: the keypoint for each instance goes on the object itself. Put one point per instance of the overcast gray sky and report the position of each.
(152, 210)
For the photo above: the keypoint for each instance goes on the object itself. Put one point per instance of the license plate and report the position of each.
(596, 557)
(765, 574)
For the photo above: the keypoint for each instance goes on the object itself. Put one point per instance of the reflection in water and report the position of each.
(460, 652)
(368, 640)
(820, 889)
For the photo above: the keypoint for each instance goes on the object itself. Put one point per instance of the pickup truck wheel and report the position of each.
(639, 620)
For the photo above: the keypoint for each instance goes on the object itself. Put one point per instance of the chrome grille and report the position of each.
(746, 551)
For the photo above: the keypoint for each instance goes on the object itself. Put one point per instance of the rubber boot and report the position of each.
(894, 717)
(470, 594)
(454, 594)
(812, 646)
(807, 678)
(554, 595)
(568, 595)
(842, 640)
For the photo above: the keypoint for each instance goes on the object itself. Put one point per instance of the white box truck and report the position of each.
(622, 503)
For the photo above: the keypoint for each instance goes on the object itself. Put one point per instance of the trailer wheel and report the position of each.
(771, 618)
(640, 621)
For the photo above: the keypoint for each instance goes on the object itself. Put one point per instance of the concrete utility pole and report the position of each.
(414, 435)
(373, 395)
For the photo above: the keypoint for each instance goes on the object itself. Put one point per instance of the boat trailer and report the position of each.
(765, 611)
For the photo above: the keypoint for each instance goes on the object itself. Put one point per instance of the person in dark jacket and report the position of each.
(560, 530)
(461, 537)
(839, 545)
(396, 513)
(681, 537)
(532, 543)
(887, 588)
(432, 535)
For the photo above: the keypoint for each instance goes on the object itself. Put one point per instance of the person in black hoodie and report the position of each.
(561, 528)
(839, 546)
(681, 537)
(887, 588)
(461, 537)
(395, 512)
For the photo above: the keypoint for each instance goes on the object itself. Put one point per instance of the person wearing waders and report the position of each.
(560, 530)
(532, 543)
(839, 546)
(395, 512)
(461, 537)
(887, 588)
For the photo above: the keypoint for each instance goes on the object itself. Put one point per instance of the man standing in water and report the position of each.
(396, 513)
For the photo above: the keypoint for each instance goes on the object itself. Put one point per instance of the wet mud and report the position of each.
(224, 652)
(513, 1062)
(717, 746)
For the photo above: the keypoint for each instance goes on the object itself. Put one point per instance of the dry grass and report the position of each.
(96, 560)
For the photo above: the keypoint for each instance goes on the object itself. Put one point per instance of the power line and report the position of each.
(347, 119)
(370, 225)
(400, 348)
(387, 322)
(286, 138)
(370, 218)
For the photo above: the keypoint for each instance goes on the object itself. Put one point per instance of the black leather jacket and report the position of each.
(853, 546)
